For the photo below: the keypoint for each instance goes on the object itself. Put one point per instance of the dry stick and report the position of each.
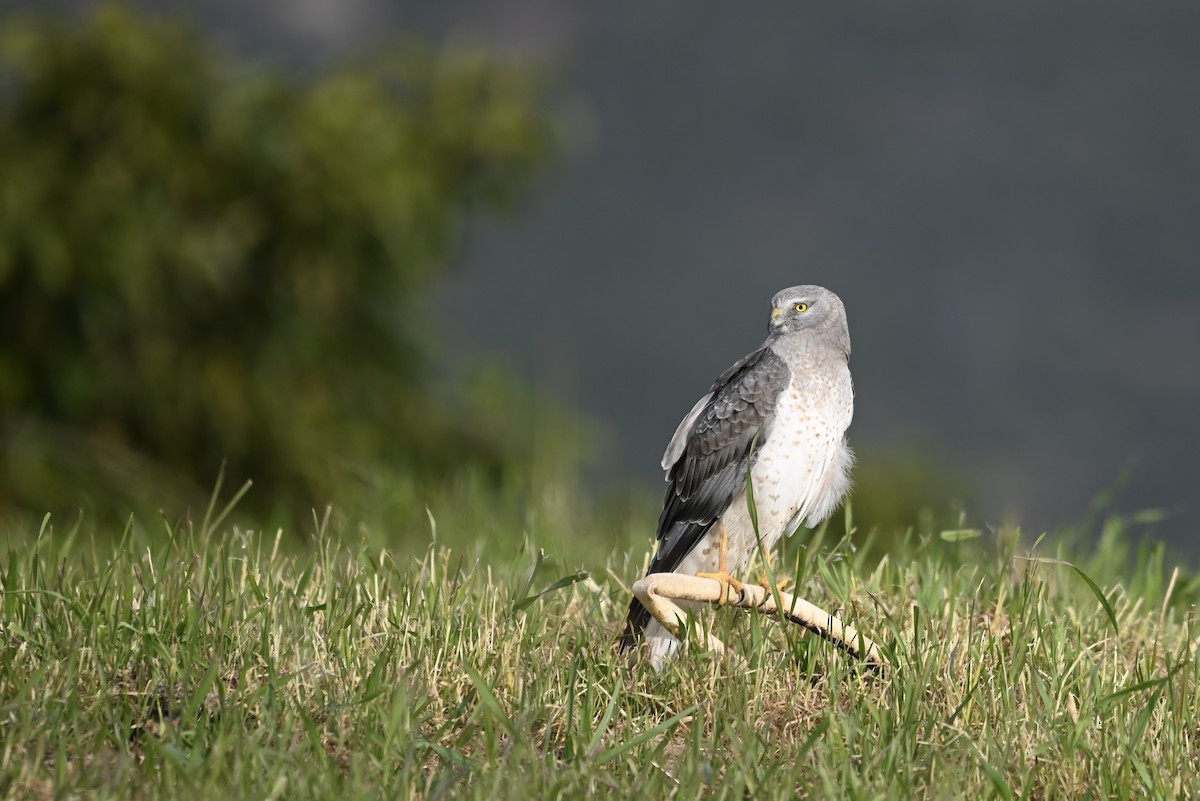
(659, 591)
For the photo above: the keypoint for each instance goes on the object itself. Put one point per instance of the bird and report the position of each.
(778, 418)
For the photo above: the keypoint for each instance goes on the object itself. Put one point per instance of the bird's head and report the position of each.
(809, 308)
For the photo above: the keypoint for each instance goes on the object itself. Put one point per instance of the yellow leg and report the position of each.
(722, 576)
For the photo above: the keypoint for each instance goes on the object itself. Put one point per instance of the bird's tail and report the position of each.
(635, 624)
(673, 548)
(654, 642)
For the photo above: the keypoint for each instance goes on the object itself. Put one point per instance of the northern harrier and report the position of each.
(779, 415)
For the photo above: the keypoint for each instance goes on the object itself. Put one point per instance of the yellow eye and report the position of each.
(801, 307)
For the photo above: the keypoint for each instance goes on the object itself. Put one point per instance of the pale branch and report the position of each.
(659, 591)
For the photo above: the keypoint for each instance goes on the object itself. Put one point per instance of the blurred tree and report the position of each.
(201, 264)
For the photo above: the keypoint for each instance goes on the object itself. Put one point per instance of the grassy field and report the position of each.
(197, 660)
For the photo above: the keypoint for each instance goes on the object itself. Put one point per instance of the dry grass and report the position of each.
(227, 666)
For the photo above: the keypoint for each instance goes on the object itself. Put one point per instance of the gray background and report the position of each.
(1005, 196)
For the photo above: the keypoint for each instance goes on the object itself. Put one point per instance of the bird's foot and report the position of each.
(721, 576)
(765, 583)
(726, 581)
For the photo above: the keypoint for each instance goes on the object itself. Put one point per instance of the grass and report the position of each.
(203, 661)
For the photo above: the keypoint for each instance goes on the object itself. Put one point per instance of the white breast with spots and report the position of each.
(803, 468)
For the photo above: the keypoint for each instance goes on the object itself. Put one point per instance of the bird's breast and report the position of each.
(800, 475)
(802, 469)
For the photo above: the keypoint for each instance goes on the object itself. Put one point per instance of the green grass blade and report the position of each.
(668, 724)
(487, 697)
(606, 720)
(1092, 585)
(1100, 596)
(960, 535)
(1142, 686)
(565, 581)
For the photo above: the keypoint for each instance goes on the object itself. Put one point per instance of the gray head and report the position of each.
(812, 310)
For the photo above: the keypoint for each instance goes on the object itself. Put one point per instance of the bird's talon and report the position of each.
(726, 581)
(779, 585)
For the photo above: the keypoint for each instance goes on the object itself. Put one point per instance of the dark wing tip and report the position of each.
(635, 624)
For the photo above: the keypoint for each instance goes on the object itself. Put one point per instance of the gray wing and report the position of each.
(710, 470)
(709, 458)
(680, 437)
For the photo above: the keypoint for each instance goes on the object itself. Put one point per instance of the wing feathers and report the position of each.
(679, 438)
(713, 457)
(708, 459)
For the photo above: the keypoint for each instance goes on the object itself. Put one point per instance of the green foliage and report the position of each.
(200, 263)
(224, 664)
(903, 486)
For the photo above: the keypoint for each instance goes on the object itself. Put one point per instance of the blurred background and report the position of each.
(360, 251)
